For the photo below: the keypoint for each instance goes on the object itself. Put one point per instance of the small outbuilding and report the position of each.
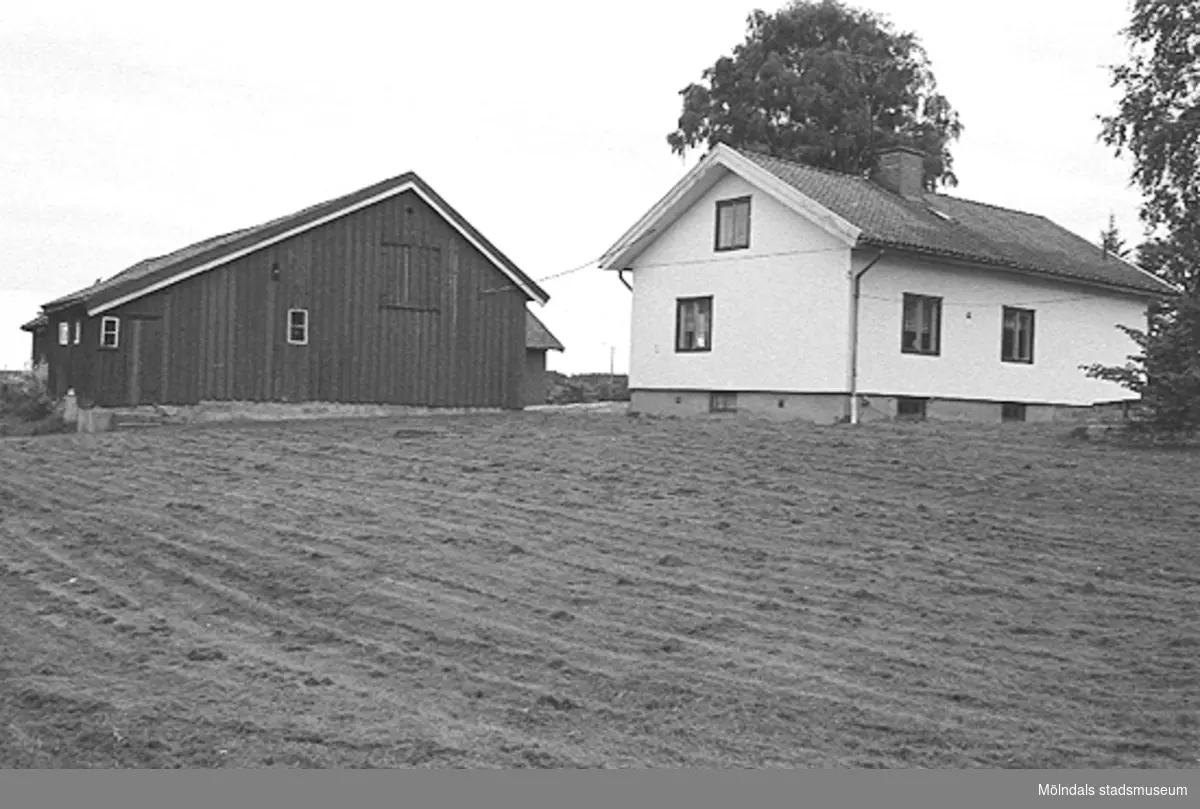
(538, 341)
(37, 329)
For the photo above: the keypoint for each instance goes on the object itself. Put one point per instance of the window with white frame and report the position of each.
(110, 332)
(64, 333)
(298, 327)
(78, 332)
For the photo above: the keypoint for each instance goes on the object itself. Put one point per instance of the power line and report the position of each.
(543, 279)
(552, 276)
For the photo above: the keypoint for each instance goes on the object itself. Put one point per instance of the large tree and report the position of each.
(1158, 117)
(825, 84)
(1157, 124)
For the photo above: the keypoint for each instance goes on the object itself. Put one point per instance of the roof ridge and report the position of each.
(800, 164)
(846, 175)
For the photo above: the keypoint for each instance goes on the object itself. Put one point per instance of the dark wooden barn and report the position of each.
(386, 295)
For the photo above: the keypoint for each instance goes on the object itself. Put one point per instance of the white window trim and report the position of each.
(78, 332)
(116, 332)
(64, 333)
(292, 342)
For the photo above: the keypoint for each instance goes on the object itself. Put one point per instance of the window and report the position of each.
(298, 327)
(1016, 340)
(693, 324)
(722, 402)
(1012, 411)
(78, 332)
(908, 407)
(64, 333)
(922, 328)
(733, 224)
(110, 332)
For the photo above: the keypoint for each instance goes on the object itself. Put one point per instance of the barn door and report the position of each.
(145, 361)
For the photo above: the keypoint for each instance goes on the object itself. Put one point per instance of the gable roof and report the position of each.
(930, 224)
(153, 274)
(697, 182)
(538, 337)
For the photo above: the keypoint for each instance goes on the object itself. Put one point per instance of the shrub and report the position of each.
(24, 396)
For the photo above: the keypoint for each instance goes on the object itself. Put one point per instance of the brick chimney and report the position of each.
(901, 169)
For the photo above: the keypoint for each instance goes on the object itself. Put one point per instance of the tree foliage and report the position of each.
(824, 84)
(1111, 241)
(1157, 123)
(1166, 370)
(1158, 117)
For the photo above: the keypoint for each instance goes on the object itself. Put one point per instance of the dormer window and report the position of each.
(733, 224)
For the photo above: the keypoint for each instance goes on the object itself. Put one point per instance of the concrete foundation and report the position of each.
(823, 408)
(99, 419)
(829, 408)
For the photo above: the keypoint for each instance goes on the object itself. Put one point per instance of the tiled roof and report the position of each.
(152, 270)
(537, 336)
(950, 227)
(149, 266)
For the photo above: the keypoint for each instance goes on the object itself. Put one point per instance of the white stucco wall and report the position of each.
(1073, 325)
(780, 307)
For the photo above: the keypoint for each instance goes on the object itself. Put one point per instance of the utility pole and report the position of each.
(612, 360)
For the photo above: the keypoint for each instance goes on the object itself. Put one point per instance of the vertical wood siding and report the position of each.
(402, 310)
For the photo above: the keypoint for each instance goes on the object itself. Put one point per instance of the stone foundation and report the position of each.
(100, 419)
(824, 408)
(830, 408)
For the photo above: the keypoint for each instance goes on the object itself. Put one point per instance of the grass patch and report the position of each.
(689, 592)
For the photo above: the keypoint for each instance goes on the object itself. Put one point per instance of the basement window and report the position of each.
(733, 224)
(1016, 338)
(298, 327)
(110, 332)
(719, 402)
(1012, 411)
(909, 407)
(64, 333)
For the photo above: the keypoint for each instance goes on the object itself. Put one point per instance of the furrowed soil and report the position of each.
(588, 590)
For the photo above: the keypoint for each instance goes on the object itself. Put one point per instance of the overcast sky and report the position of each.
(128, 130)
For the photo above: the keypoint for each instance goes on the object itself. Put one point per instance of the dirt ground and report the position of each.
(592, 590)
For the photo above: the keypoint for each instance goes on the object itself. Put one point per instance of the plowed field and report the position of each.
(582, 590)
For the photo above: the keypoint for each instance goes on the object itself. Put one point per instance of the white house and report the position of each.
(765, 285)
